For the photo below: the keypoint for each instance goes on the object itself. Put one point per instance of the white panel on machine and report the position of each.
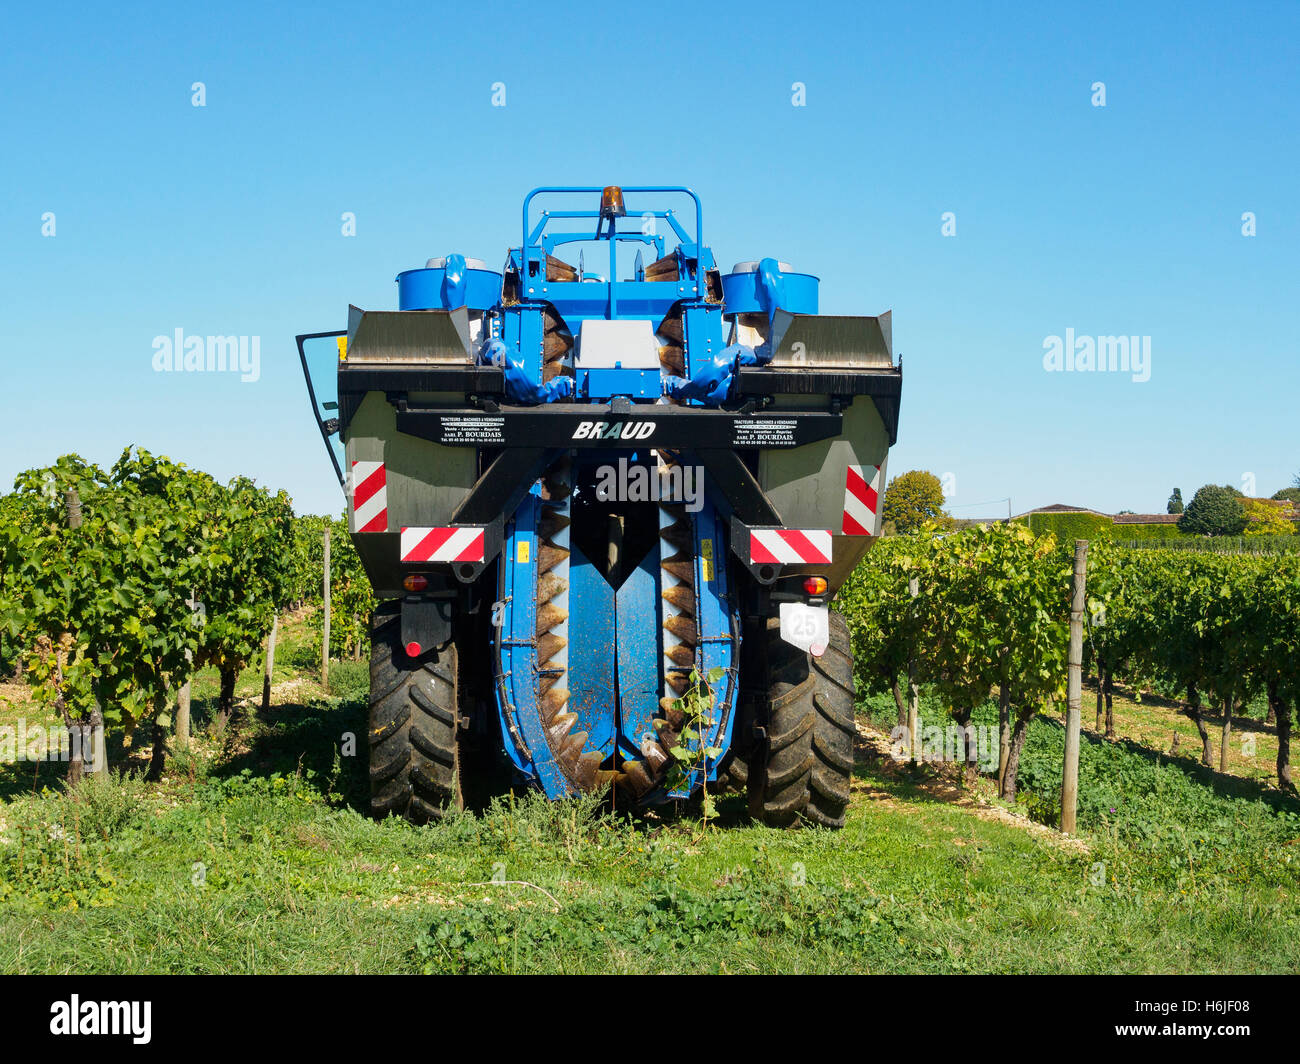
(605, 344)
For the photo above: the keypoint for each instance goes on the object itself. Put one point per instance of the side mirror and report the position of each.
(319, 354)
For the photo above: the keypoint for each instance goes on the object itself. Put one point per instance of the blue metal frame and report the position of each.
(615, 636)
(615, 642)
(597, 190)
(536, 240)
(516, 650)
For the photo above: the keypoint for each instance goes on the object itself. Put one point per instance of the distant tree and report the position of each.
(913, 499)
(1266, 520)
(1175, 504)
(1289, 495)
(1215, 510)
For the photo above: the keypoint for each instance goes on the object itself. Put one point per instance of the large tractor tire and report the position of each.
(809, 749)
(414, 748)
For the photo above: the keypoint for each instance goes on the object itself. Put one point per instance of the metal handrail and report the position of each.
(547, 189)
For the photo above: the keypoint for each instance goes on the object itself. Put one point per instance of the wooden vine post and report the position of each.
(913, 691)
(93, 748)
(270, 661)
(183, 718)
(325, 641)
(1074, 690)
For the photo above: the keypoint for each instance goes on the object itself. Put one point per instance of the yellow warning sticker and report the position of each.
(343, 347)
(706, 560)
(521, 552)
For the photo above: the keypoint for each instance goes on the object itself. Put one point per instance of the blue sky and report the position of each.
(225, 219)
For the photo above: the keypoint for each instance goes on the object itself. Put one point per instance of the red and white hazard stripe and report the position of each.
(369, 497)
(789, 546)
(860, 500)
(442, 544)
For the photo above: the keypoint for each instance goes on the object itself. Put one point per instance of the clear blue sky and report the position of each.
(225, 219)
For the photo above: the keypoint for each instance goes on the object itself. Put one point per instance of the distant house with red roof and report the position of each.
(1146, 519)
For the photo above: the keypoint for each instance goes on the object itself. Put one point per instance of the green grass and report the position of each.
(249, 870)
(1153, 722)
(256, 856)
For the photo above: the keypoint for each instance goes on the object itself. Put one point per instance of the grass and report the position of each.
(1154, 720)
(256, 856)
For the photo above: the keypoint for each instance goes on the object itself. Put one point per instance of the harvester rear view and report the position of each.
(598, 490)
